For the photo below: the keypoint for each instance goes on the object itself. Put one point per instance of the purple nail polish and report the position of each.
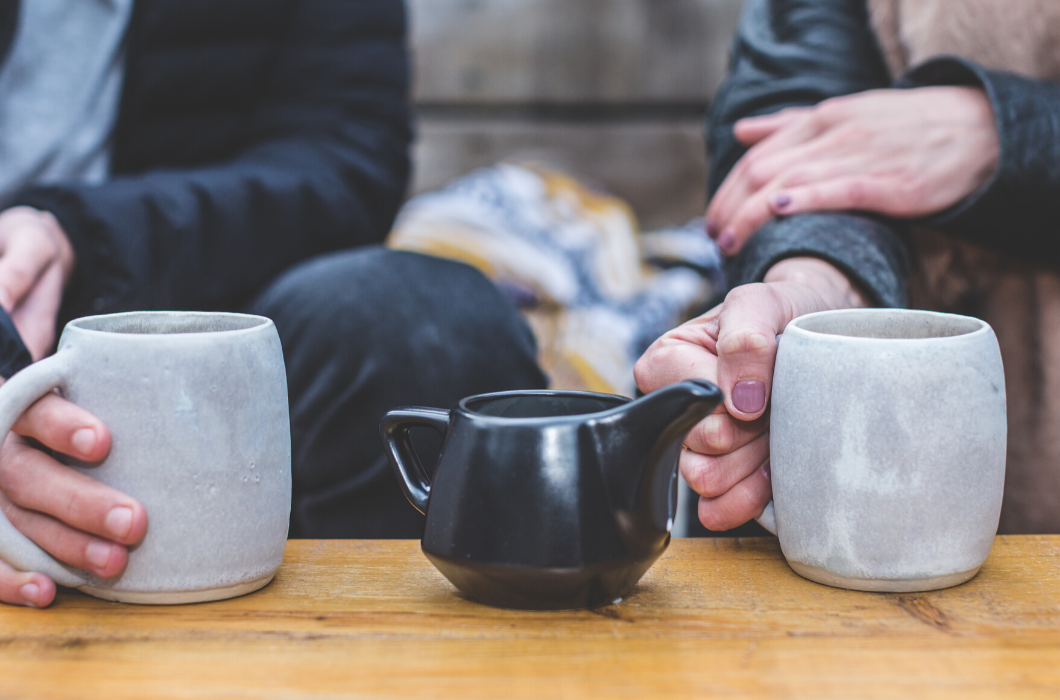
(767, 470)
(727, 239)
(749, 395)
(781, 200)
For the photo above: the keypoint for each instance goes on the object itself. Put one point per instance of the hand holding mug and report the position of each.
(73, 517)
(734, 346)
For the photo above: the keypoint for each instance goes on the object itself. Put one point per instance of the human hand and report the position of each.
(902, 153)
(71, 516)
(726, 460)
(36, 262)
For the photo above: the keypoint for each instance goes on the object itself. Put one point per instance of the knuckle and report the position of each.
(759, 174)
(705, 481)
(855, 193)
(747, 341)
(711, 517)
(717, 434)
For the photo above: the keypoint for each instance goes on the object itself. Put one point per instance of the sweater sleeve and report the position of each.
(1017, 210)
(324, 168)
(794, 53)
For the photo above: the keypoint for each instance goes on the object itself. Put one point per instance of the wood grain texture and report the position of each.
(570, 51)
(728, 618)
(658, 166)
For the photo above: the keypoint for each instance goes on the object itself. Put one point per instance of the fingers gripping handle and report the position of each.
(394, 429)
(16, 395)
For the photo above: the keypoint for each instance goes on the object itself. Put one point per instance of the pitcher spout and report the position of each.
(639, 446)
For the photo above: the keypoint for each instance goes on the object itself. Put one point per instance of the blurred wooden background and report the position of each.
(611, 90)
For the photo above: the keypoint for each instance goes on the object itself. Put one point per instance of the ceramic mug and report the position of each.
(197, 408)
(887, 448)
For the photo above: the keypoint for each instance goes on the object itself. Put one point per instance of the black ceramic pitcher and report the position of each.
(549, 499)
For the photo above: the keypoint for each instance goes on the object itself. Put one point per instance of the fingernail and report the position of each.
(781, 200)
(31, 594)
(84, 440)
(749, 395)
(98, 554)
(712, 230)
(119, 521)
(726, 239)
(767, 471)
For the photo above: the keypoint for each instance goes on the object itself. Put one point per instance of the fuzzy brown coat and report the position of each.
(1020, 300)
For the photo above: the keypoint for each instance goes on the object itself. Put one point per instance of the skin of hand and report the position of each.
(726, 456)
(36, 262)
(901, 153)
(71, 516)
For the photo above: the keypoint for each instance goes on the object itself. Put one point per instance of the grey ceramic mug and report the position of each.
(887, 448)
(197, 408)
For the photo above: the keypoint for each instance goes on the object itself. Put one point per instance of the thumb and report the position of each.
(753, 316)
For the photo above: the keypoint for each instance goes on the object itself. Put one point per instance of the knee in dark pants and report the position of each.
(367, 330)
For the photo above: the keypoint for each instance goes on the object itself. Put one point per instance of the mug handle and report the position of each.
(394, 429)
(16, 395)
(768, 517)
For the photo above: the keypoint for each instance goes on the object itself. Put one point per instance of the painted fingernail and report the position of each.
(727, 239)
(749, 395)
(119, 522)
(31, 594)
(98, 554)
(712, 230)
(84, 440)
(767, 471)
(781, 201)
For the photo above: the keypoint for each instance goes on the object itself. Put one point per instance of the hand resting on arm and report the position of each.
(901, 153)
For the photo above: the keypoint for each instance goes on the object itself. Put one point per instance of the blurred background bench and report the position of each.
(614, 91)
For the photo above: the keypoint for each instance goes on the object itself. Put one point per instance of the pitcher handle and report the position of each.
(394, 429)
(16, 395)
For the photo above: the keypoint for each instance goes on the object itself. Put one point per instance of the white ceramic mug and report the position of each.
(887, 448)
(197, 408)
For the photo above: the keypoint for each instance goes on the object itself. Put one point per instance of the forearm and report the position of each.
(866, 250)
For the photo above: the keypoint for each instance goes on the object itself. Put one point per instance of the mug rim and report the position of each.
(78, 324)
(794, 326)
(462, 405)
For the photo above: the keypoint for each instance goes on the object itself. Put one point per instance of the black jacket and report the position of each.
(799, 52)
(251, 134)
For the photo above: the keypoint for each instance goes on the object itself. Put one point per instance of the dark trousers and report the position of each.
(364, 331)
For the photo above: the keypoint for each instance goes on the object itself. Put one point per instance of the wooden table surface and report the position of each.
(713, 617)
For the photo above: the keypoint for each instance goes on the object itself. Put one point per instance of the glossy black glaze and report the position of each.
(546, 499)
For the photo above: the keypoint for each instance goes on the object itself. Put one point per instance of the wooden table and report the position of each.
(713, 617)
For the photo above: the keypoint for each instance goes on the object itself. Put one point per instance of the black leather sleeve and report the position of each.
(1017, 211)
(793, 53)
(322, 164)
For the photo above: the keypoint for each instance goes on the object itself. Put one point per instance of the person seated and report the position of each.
(845, 132)
(243, 156)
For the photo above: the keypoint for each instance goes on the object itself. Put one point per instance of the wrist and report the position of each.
(834, 288)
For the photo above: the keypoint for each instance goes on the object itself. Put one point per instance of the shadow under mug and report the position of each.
(887, 447)
(197, 408)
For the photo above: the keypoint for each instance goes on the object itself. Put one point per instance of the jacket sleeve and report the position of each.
(324, 168)
(1017, 210)
(793, 53)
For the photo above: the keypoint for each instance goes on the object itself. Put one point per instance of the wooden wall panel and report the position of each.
(658, 166)
(612, 90)
(615, 51)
